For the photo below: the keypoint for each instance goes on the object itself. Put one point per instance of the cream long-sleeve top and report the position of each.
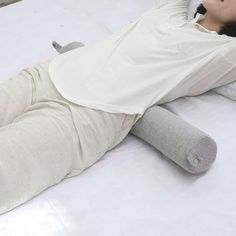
(158, 57)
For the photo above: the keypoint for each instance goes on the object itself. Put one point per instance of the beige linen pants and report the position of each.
(45, 138)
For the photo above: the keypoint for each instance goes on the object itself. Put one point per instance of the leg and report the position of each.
(42, 147)
(19, 92)
(37, 151)
(15, 96)
(51, 140)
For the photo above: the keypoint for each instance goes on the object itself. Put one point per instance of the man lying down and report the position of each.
(61, 116)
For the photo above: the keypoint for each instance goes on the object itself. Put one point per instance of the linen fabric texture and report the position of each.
(46, 138)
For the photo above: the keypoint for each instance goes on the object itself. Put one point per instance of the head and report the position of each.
(220, 12)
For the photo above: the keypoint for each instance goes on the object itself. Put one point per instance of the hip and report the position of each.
(98, 131)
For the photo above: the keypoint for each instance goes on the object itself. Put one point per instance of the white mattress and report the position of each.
(133, 190)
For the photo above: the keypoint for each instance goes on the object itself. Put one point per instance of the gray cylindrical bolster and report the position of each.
(183, 143)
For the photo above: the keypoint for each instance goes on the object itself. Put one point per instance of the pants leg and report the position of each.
(50, 138)
(15, 96)
(37, 151)
(19, 92)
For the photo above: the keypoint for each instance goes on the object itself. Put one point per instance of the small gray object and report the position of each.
(67, 47)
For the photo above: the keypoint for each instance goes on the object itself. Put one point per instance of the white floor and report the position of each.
(133, 190)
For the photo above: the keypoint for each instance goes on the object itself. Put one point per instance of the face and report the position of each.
(223, 11)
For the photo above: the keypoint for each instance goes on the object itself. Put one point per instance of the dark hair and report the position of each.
(228, 29)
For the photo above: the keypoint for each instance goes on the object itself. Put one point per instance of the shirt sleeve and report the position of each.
(173, 8)
(229, 51)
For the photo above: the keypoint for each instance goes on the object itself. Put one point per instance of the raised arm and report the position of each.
(172, 3)
(178, 8)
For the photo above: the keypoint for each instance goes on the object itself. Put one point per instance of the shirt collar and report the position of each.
(198, 17)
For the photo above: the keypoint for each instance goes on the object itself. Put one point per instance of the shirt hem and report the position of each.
(101, 106)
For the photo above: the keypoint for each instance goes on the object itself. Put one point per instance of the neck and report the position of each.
(210, 23)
